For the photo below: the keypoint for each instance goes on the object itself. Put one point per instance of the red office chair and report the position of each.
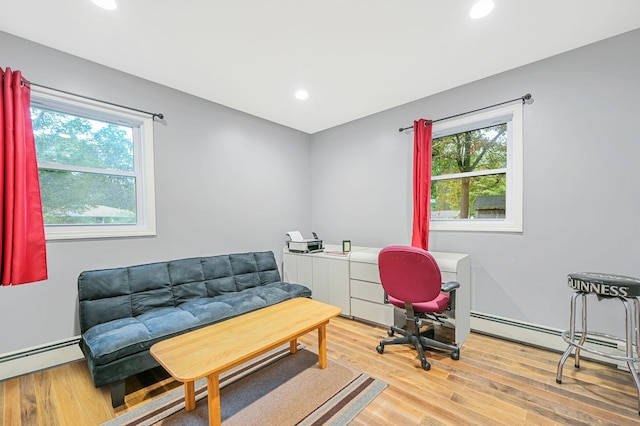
(411, 278)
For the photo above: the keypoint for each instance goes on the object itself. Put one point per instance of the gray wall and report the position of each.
(581, 153)
(225, 182)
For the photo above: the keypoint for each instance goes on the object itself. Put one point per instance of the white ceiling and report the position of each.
(355, 57)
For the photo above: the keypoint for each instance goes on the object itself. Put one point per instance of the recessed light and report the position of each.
(106, 4)
(481, 9)
(302, 94)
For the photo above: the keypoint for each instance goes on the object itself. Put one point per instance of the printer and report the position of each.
(299, 244)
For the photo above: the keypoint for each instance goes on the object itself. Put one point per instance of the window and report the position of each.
(95, 164)
(476, 182)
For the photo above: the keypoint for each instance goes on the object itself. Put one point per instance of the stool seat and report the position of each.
(605, 285)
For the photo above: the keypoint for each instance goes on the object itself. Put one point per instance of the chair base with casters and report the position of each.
(420, 340)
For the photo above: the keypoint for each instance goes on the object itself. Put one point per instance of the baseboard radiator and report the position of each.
(30, 360)
(541, 336)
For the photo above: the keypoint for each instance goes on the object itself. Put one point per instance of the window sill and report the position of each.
(475, 225)
(53, 233)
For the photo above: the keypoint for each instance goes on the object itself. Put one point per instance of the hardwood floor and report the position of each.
(495, 382)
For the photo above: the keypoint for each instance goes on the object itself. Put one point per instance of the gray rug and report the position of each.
(277, 388)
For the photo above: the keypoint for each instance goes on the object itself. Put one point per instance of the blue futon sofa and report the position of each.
(124, 311)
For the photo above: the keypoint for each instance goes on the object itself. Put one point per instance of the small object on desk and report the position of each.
(298, 244)
(305, 246)
(346, 245)
(337, 253)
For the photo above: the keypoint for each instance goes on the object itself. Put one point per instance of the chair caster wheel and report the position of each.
(390, 332)
(380, 349)
(558, 381)
(455, 355)
(426, 366)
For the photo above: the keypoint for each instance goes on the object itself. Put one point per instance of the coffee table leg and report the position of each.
(189, 396)
(322, 346)
(213, 389)
(293, 346)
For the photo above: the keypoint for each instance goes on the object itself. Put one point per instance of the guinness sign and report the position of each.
(605, 285)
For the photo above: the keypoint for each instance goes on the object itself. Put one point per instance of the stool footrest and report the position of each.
(567, 338)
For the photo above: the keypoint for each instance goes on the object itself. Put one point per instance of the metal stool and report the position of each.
(625, 289)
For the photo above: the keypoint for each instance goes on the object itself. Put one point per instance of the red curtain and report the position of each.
(23, 252)
(421, 183)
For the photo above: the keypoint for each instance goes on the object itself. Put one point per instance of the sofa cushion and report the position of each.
(185, 270)
(188, 291)
(150, 287)
(116, 339)
(242, 301)
(216, 267)
(293, 290)
(208, 310)
(168, 321)
(220, 286)
(104, 296)
(246, 281)
(254, 269)
(122, 337)
(100, 311)
(149, 277)
(243, 263)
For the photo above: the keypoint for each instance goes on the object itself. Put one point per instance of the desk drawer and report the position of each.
(373, 312)
(369, 272)
(364, 272)
(372, 292)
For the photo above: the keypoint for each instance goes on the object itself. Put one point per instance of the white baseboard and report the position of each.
(30, 360)
(541, 336)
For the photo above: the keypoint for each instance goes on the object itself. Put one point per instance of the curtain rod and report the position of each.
(152, 114)
(523, 98)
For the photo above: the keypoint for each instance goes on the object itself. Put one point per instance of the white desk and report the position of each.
(352, 282)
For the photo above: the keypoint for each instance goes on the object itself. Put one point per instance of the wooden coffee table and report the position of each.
(212, 350)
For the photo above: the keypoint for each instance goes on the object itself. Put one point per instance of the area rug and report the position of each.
(278, 388)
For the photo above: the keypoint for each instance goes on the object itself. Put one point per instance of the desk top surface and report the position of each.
(370, 254)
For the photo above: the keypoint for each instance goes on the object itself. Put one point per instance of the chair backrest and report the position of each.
(410, 274)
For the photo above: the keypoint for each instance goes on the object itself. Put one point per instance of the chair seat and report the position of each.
(438, 304)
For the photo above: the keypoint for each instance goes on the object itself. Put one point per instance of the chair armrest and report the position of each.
(450, 286)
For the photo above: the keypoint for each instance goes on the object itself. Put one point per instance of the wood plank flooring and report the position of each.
(495, 382)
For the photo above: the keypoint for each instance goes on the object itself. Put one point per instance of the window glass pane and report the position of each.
(68, 139)
(87, 198)
(478, 197)
(481, 149)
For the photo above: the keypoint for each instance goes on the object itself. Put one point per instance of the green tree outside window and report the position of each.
(86, 169)
(465, 166)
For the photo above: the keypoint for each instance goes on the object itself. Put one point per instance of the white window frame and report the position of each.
(513, 114)
(142, 125)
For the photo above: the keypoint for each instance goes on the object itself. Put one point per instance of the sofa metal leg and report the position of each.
(117, 393)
